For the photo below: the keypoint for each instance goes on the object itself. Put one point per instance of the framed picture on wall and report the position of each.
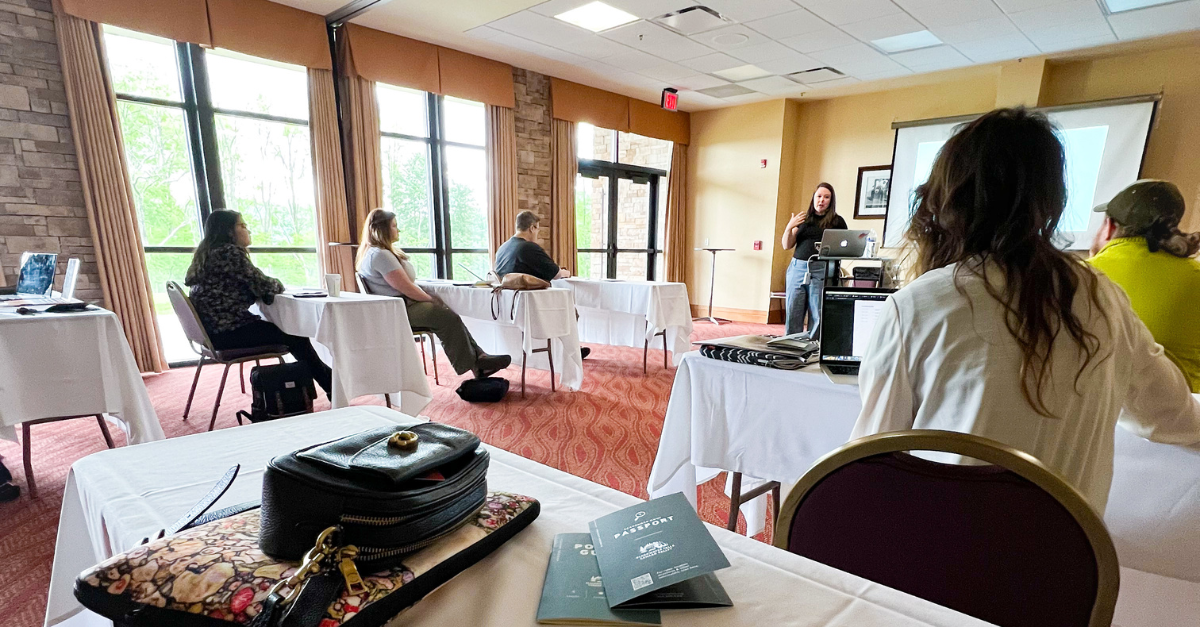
(871, 197)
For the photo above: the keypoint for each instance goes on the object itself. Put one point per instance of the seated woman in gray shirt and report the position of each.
(387, 271)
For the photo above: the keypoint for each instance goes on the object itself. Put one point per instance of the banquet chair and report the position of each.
(1008, 542)
(197, 336)
(419, 335)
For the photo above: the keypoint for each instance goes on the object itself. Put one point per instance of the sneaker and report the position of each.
(9, 492)
(488, 365)
(584, 352)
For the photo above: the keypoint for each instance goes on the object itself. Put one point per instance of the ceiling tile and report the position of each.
(794, 62)
(557, 7)
(938, 13)
(484, 32)
(998, 48)
(552, 32)
(640, 8)
(788, 24)
(774, 85)
(633, 60)
(726, 91)
(1055, 36)
(699, 81)
(1057, 15)
(823, 38)
(1016, 6)
(656, 40)
(883, 26)
(890, 73)
(667, 71)
(1169, 18)
(837, 82)
(1059, 45)
(974, 31)
(926, 59)
(692, 99)
(714, 62)
(855, 59)
(765, 51)
(839, 12)
(730, 38)
(747, 10)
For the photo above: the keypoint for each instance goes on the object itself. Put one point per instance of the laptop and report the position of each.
(848, 317)
(36, 278)
(843, 243)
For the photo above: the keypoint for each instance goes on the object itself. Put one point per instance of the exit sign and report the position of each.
(670, 99)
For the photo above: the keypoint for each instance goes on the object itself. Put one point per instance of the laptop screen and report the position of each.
(37, 273)
(847, 322)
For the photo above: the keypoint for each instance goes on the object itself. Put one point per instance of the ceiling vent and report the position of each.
(692, 20)
(819, 75)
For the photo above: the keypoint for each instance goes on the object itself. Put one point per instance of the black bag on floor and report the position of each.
(280, 390)
(489, 390)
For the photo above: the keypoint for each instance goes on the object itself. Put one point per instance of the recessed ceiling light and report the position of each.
(907, 41)
(1120, 6)
(725, 91)
(742, 73)
(596, 16)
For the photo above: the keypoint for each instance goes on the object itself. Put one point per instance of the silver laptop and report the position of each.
(36, 278)
(848, 317)
(843, 243)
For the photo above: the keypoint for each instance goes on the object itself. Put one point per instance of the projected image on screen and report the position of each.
(1103, 146)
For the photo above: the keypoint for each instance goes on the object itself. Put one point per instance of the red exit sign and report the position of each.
(670, 99)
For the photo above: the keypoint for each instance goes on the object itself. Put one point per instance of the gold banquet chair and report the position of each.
(1010, 542)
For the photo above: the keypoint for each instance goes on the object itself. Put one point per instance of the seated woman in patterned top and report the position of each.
(225, 284)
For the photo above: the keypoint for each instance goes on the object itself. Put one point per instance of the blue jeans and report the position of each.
(804, 299)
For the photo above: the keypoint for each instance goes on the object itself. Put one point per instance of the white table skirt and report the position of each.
(773, 424)
(628, 313)
(55, 365)
(367, 341)
(539, 315)
(115, 498)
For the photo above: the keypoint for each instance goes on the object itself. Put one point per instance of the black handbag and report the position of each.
(279, 391)
(487, 390)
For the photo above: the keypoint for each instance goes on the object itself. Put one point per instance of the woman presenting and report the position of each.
(803, 235)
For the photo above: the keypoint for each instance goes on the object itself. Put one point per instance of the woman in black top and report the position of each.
(225, 284)
(803, 235)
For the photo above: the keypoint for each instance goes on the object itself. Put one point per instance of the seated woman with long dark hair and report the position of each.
(387, 271)
(1005, 336)
(225, 283)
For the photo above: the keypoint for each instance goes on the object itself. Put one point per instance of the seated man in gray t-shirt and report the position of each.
(521, 253)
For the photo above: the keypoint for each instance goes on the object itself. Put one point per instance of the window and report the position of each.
(209, 129)
(620, 203)
(435, 179)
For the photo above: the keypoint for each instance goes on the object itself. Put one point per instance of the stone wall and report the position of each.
(534, 163)
(41, 205)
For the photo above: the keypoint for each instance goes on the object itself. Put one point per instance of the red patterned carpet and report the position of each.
(607, 432)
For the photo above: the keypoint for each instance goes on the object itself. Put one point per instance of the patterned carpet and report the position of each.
(607, 432)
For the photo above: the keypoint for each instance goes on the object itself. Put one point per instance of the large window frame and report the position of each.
(201, 127)
(436, 144)
(638, 175)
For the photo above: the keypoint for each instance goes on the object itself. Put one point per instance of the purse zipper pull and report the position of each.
(354, 582)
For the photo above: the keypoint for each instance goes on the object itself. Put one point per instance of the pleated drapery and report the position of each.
(365, 147)
(563, 169)
(107, 191)
(676, 220)
(329, 183)
(502, 175)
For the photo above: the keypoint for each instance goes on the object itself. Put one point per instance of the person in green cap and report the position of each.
(1140, 247)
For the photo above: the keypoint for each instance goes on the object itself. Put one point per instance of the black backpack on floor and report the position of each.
(280, 390)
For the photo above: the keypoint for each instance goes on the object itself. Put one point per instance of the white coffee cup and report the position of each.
(333, 284)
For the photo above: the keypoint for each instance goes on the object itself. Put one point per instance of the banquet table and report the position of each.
(630, 313)
(365, 339)
(538, 316)
(773, 424)
(75, 364)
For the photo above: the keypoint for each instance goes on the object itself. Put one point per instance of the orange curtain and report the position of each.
(564, 167)
(676, 235)
(107, 192)
(365, 157)
(181, 20)
(329, 183)
(502, 175)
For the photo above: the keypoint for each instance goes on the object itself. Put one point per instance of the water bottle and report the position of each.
(870, 249)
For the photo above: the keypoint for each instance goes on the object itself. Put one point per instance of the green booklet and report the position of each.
(574, 593)
(658, 554)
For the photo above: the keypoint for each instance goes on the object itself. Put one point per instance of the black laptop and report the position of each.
(848, 317)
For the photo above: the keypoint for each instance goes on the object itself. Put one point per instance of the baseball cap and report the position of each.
(1143, 202)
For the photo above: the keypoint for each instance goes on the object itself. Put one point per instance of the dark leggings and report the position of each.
(263, 333)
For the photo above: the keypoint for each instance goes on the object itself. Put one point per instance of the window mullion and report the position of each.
(439, 195)
(613, 190)
(653, 224)
(192, 122)
(208, 126)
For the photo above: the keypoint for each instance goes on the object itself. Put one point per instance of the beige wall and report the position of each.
(733, 201)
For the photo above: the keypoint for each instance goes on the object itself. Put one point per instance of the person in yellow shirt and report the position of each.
(1140, 247)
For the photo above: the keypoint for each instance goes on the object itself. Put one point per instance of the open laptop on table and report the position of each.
(36, 277)
(848, 317)
(843, 243)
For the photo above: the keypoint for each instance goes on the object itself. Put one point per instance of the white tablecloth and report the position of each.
(55, 365)
(773, 424)
(539, 315)
(366, 339)
(115, 498)
(627, 313)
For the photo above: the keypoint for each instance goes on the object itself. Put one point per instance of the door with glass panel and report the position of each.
(617, 228)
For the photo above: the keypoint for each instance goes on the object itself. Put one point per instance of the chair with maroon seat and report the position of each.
(198, 337)
(1010, 542)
